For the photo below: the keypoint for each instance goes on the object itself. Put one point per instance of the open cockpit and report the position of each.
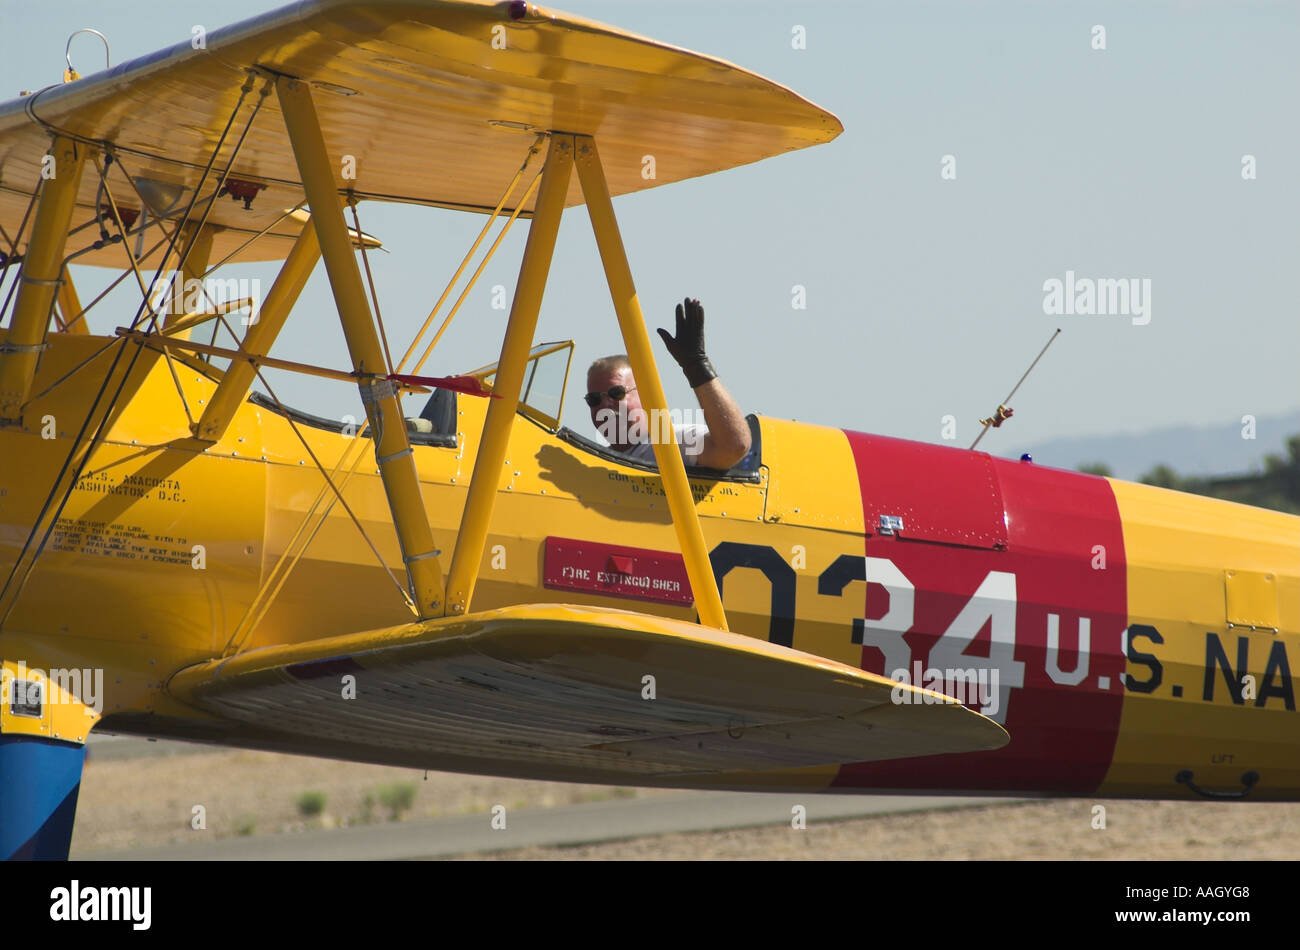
(541, 402)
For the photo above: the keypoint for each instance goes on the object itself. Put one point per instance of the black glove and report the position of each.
(687, 348)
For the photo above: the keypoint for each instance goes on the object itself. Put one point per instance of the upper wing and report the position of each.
(430, 99)
(561, 692)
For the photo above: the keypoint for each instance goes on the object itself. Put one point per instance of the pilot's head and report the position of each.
(614, 401)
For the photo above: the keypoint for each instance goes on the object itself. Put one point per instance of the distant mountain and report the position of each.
(1188, 450)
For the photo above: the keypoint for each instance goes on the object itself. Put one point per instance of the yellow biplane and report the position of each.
(479, 588)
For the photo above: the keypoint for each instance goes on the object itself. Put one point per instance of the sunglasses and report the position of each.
(615, 393)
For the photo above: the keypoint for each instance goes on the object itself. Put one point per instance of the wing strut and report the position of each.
(39, 277)
(198, 238)
(393, 452)
(230, 392)
(472, 536)
(690, 536)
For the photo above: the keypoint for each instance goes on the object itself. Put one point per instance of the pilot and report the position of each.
(616, 405)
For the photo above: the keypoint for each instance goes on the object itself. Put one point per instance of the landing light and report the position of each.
(160, 197)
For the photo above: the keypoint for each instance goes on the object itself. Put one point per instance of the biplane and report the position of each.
(472, 586)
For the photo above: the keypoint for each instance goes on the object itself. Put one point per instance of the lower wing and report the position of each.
(573, 693)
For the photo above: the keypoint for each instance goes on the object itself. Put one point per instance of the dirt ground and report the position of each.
(1037, 831)
(150, 801)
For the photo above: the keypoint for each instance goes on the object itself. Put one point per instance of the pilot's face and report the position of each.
(611, 418)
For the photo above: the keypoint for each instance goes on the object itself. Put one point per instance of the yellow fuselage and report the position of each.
(166, 552)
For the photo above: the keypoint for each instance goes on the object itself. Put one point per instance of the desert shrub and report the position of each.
(397, 797)
(311, 804)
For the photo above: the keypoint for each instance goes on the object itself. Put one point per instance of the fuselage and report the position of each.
(1121, 633)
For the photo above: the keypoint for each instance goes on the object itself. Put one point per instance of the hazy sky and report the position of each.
(925, 296)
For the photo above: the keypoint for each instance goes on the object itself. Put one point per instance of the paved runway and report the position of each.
(541, 827)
